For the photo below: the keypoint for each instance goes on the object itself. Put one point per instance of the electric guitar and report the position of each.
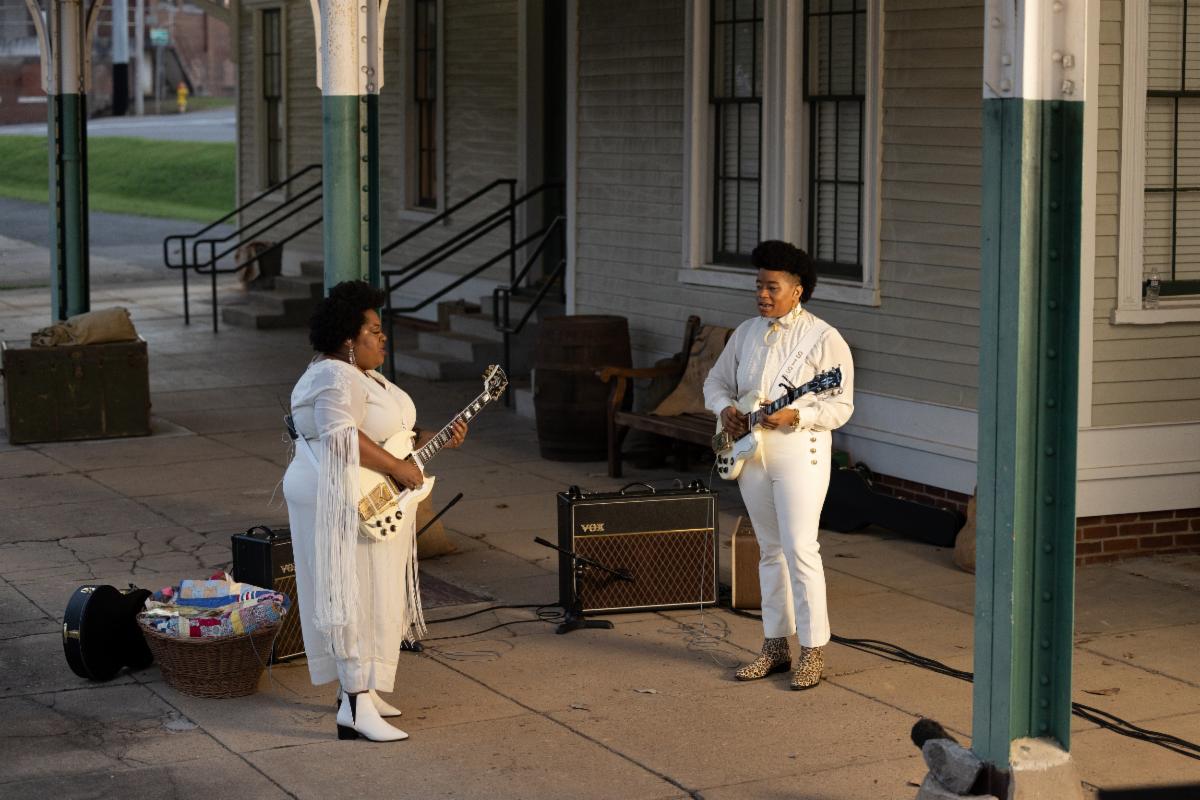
(732, 453)
(383, 502)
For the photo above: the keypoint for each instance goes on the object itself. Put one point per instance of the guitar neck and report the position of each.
(756, 417)
(434, 445)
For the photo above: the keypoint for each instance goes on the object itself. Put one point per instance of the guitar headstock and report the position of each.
(825, 381)
(494, 381)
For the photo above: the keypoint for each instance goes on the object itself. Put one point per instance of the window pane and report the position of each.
(1187, 242)
(1164, 62)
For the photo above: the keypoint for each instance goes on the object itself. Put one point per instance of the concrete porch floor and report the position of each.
(646, 710)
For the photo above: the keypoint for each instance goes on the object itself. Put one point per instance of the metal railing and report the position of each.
(506, 215)
(218, 247)
(502, 295)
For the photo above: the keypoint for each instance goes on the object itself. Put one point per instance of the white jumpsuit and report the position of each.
(784, 484)
(372, 585)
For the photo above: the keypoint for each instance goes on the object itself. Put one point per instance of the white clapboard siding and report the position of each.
(921, 342)
(1141, 373)
(480, 115)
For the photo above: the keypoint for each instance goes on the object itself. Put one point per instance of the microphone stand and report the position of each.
(574, 619)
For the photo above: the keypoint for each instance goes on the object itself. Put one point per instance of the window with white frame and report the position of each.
(1160, 163)
(835, 88)
(423, 184)
(782, 139)
(271, 97)
(735, 98)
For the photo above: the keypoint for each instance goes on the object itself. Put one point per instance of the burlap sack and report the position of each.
(964, 544)
(433, 542)
(94, 327)
(688, 397)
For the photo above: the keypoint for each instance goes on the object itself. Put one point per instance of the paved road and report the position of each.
(218, 125)
(123, 247)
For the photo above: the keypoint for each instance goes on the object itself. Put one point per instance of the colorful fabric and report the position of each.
(212, 608)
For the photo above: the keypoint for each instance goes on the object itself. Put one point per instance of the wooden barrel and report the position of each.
(568, 398)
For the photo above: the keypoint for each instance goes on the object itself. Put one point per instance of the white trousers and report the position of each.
(783, 487)
(369, 648)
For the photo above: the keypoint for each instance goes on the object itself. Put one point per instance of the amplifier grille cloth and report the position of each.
(289, 642)
(669, 568)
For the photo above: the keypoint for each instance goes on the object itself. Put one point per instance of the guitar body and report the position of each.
(101, 634)
(733, 453)
(385, 504)
(731, 460)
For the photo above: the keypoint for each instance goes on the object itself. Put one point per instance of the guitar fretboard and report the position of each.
(434, 445)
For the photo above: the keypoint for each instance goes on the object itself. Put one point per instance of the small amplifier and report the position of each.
(743, 567)
(666, 540)
(263, 557)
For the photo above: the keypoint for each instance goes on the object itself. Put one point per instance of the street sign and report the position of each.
(160, 37)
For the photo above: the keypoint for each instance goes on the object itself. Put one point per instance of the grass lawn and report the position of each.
(179, 180)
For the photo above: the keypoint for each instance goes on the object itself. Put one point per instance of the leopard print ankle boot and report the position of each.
(775, 657)
(807, 673)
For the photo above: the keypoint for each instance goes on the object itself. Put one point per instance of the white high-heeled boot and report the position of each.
(384, 708)
(358, 717)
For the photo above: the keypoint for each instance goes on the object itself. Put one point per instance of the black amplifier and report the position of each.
(666, 539)
(263, 557)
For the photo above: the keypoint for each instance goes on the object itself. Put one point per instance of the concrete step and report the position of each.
(522, 392)
(434, 366)
(301, 285)
(519, 304)
(478, 326)
(459, 345)
(269, 310)
(313, 269)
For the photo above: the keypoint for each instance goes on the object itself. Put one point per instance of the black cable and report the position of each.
(1103, 719)
(484, 610)
(544, 614)
(485, 630)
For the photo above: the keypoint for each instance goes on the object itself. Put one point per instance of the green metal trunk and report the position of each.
(95, 391)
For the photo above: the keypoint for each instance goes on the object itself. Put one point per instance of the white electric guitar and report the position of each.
(384, 503)
(732, 453)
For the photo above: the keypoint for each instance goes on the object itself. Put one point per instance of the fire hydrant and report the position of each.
(181, 95)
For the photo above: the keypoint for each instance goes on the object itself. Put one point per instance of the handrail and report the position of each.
(511, 182)
(286, 210)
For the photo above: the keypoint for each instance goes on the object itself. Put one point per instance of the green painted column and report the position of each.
(67, 145)
(349, 72)
(1029, 330)
(343, 196)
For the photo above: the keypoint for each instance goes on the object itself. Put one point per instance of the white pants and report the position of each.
(784, 487)
(369, 648)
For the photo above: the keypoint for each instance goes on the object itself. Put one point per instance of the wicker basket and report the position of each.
(226, 666)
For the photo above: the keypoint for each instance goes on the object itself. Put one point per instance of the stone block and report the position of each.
(932, 790)
(954, 766)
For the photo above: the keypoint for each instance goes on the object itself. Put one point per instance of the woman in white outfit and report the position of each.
(358, 597)
(784, 483)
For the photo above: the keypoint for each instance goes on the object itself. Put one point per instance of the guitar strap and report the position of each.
(803, 347)
(312, 457)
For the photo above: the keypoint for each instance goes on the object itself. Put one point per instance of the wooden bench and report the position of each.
(690, 428)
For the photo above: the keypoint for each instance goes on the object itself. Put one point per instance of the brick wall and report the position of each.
(1116, 536)
(1098, 540)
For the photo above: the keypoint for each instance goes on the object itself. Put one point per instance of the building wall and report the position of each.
(920, 343)
(480, 118)
(1141, 373)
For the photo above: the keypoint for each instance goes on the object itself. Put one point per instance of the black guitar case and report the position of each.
(101, 633)
(852, 504)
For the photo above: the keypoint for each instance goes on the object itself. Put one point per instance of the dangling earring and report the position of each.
(352, 356)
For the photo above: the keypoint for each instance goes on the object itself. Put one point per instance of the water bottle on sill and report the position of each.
(1153, 287)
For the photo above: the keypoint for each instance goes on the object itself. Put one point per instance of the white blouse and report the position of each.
(755, 354)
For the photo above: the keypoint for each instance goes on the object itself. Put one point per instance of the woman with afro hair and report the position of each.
(358, 598)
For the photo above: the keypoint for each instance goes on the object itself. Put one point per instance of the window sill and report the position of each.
(742, 278)
(416, 214)
(1157, 316)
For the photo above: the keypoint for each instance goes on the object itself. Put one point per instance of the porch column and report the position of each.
(64, 31)
(350, 75)
(1033, 151)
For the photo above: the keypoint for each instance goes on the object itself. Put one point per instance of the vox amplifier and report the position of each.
(666, 540)
(263, 557)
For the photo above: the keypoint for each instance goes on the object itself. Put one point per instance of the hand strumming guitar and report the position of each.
(406, 473)
(733, 421)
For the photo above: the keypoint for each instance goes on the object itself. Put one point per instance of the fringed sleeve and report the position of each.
(337, 411)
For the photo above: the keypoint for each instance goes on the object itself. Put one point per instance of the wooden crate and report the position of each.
(95, 391)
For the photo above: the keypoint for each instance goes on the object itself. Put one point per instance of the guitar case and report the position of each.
(852, 504)
(101, 634)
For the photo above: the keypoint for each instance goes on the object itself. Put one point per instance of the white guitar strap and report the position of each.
(312, 457)
(809, 340)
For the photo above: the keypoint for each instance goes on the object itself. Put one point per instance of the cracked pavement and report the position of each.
(514, 711)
